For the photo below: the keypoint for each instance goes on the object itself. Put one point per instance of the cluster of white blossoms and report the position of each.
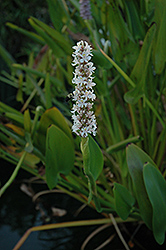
(83, 95)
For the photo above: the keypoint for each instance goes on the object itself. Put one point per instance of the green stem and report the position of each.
(33, 93)
(38, 113)
(134, 120)
(13, 176)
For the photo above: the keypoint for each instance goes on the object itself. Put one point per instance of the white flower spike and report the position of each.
(83, 95)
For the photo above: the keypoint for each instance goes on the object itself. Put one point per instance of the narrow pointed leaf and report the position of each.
(55, 35)
(6, 56)
(55, 48)
(29, 34)
(27, 121)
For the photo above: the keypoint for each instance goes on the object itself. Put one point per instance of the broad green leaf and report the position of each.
(136, 158)
(159, 45)
(93, 165)
(139, 72)
(124, 201)
(156, 188)
(51, 116)
(59, 155)
(96, 158)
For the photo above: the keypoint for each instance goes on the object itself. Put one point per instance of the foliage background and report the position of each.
(130, 104)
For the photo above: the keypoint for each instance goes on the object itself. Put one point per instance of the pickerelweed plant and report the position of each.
(83, 116)
(115, 126)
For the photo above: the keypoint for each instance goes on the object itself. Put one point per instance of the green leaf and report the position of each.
(37, 73)
(5, 139)
(156, 188)
(93, 165)
(124, 201)
(139, 72)
(134, 19)
(19, 119)
(75, 4)
(51, 43)
(122, 41)
(133, 95)
(99, 59)
(27, 121)
(96, 158)
(160, 39)
(6, 56)
(48, 92)
(122, 144)
(29, 34)
(57, 36)
(136, 158)
(19, 95)
(51, 116)
(59, 155)
(61, 17)
(29, 146)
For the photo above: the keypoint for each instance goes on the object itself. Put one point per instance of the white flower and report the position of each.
(83, 117)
